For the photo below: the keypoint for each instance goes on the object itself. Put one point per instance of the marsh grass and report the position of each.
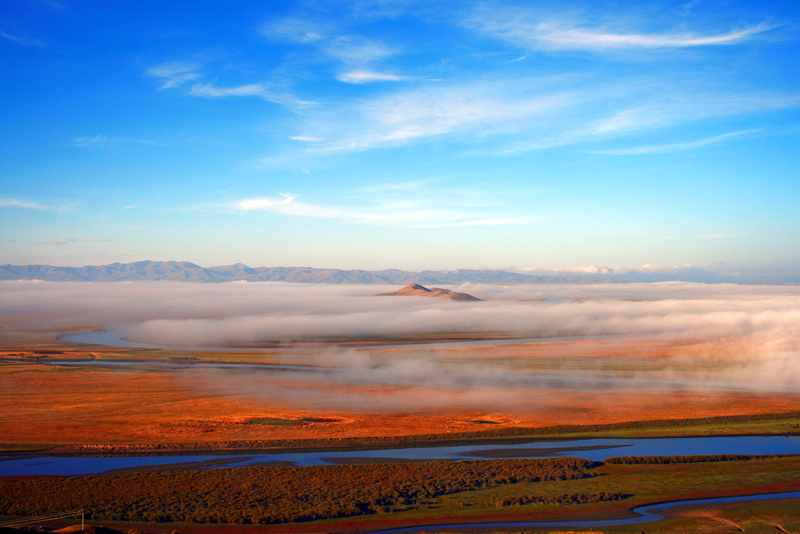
(421, 493)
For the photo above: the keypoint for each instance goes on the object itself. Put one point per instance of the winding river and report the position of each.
(644, 514)
(590, 449)
(596, 450)
(115, 338)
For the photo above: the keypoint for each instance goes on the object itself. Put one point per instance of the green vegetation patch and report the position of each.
(274, 494)
(414, 493)
(563, 499)
(273, 421)
(666, 460)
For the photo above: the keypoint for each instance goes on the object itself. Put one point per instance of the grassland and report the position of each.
(44, 406)
(153, 407)
(335, 498)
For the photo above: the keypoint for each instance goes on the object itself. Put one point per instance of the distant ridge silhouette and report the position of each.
(190, 272)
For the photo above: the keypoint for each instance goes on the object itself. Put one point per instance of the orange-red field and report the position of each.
(44, 405)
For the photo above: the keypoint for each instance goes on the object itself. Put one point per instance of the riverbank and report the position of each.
(606, 490)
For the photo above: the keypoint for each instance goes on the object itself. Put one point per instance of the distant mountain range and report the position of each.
(189, 272)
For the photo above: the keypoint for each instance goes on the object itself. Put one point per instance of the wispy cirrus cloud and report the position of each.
(258, 90)
(368, 76)
(174, 74)
(675, 147)
(210, 91)
(24, 204)
(392, 213)
(668, 105)
(658, 106)
(62, 242)
(536, 30)
(356, 53)
(177, 75)
(104, 140)
(295, 29)
(475, 107)
(22, 40)
(512, 115)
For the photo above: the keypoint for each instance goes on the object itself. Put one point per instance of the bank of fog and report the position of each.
(763, 320)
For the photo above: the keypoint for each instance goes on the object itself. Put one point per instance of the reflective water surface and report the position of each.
(590, 449)
(646, 514)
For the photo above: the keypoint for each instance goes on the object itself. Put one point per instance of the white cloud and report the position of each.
(101, 140)
(210, 91)
(23, 41)
(297, 30)
(547, 32)
(405, 214)
(669, 105)
(174, 74)
(674, 147)
(287, 204)
(367, 76)
(62, 242)
(16, 203)
(478, 107)
(178, 74)
(328, 42)
(559, 37)
(357, 51)
(515, 115)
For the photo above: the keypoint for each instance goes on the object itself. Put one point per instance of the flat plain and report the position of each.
(61, 397)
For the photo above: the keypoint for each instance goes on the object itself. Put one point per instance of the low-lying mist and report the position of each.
(762, 323)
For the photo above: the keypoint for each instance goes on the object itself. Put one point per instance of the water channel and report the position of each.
(115, 338)
(591, 449)
(644, 514)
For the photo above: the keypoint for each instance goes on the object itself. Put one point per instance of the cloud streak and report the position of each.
(174, 74)
(481, 108)
(505, 112)
(557, 33)
(177, 75)
(63, 242)
(22, 41)
(406, 213)
(674, 147)
(368, 76)
(104, 140)
(24, 204)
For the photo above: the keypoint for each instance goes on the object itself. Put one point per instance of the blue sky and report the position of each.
(374, 134)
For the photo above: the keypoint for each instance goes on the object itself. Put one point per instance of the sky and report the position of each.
(403, 134)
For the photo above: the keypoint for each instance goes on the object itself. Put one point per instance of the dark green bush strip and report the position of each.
(273, 494)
